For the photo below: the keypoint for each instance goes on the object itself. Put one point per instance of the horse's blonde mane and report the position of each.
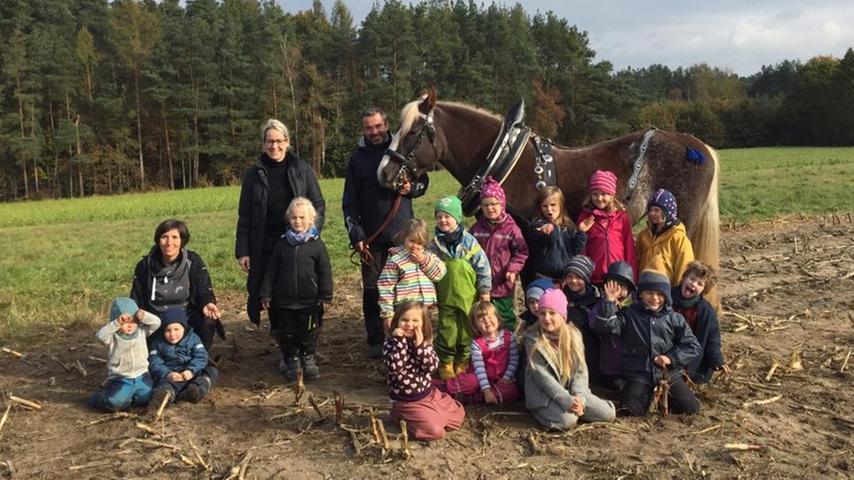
(409, 113)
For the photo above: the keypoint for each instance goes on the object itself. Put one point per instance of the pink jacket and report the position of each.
(506, 249)
(609, 240)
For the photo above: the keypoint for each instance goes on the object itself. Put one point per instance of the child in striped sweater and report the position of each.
(409, 273)
(494, 359)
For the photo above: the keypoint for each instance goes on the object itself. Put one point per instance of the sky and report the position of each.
(739, 36)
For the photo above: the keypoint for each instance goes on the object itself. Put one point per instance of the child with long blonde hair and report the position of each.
(610, 237)
(410, 272)
(494, 361)
(553, 238)
(556, 384)
(409, 360)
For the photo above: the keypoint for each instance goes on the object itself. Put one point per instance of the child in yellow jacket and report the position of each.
(664, 246)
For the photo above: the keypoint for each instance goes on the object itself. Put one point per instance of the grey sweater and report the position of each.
(542, 383)
(127, 354)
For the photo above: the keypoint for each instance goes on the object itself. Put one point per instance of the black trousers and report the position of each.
(371, 295)
(257, 267)
(295, 330)
(638, 395)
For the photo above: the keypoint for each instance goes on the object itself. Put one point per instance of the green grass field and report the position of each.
(64, 259)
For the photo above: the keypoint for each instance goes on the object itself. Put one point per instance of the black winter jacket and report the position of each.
(709, 337)
(551, 252)
(646, 335)
(366, 204)
(201, 290)
(298, 276)
(252, 209)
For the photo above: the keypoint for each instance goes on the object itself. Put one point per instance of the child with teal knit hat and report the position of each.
(468, 279)
(128, 381)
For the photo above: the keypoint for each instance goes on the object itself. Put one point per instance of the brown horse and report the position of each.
(460, 137)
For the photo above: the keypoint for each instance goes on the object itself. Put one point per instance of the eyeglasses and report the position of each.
(270, 143)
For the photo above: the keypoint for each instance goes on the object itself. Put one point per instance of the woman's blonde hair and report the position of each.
(426, 324)
(275, 125)
(415, 229)
(304, 203)
(568, 355)
(551, 191)
(482, 309)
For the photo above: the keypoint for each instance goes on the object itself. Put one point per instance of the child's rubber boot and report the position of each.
(291, 368)
(309, 367)
(446, 371)
(460, 366)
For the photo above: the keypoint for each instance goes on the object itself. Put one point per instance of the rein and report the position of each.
(365, 255)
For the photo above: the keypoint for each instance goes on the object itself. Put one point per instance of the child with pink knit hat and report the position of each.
(498, 234)
(610, 238)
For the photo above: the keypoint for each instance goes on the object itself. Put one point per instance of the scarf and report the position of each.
(685, 302)
(450, 239)
(293, 238)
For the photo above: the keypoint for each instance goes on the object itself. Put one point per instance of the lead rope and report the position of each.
(365, 255)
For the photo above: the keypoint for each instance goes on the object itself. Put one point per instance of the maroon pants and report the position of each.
(428, 418)
(465, 387)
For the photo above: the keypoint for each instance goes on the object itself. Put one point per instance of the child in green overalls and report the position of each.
(468, 278)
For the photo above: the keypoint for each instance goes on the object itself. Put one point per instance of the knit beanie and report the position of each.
(580, 265)
(603, 181)
(450, 205)
(121, 306)
(538, 287)
(492, 189)
(652, 280)
(555, 300)
(665, 201)
(623, 273)
(174, 315)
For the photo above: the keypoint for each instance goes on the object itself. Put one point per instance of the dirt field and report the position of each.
(787, 287)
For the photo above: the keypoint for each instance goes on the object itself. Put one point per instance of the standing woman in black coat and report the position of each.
(267, 190)
(171, 276)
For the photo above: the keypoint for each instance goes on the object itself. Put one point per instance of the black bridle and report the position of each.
(407, 162)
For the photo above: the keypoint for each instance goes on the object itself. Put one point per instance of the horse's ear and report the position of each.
(429, 102)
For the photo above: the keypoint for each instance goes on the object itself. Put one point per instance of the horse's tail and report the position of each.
(706, 239)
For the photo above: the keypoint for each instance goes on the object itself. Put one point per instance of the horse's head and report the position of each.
(416, 146)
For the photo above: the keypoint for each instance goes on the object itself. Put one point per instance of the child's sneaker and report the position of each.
(291, 368)
(157, 397)
(446, 371)
(309, 368)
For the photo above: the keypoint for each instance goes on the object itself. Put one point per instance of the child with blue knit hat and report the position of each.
(128, 381)
(467, 280)
(535, 291)
(664, 245)
(179, 362)
(657, 344)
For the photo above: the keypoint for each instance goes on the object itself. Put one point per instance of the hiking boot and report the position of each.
(157, 398)
(309, 368)
(446, 371)
(375, 351)
(193, 394)
(291, 368)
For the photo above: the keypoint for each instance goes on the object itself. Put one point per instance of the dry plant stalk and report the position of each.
(742, 446)
(199, 456)
(404, 435)
(761, 402)
(381, 428)
(374, 429)
(5, 416)
(13, 352)
(339, 407)
(61, 363)
(80, 368)
(145, 428)
(795, 362)
(99, 463)
(299, 388)
(774, 366)
(155, 443)
(357, 449)
(845, 362)
(315, 407)
(162, 407)
(660, 395)
(27, 403)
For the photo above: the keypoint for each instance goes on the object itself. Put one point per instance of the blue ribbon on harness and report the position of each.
(695, 156)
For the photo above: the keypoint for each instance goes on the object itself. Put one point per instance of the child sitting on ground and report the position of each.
(494, 360)
(501, 239)
(582, 296)
(610, 346)
(556, 390)
(700, 315)
(179, 362)
(468, 279)
(532, 300)
(657, 343)
(409, 273)
(409, 360)
(128, 381)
